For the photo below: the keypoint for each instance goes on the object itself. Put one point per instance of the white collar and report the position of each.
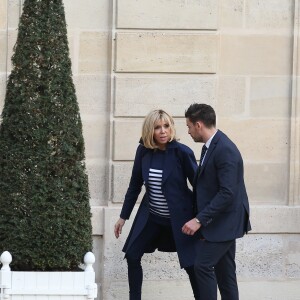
(207, 144)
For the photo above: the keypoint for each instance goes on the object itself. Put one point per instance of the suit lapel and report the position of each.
(210, 150)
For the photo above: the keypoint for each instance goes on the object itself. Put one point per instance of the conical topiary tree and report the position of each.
(44, 198)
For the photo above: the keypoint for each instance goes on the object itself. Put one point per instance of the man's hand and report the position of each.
(191, 227)
(118, 227)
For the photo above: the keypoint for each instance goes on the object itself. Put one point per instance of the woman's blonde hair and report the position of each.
(148, 127)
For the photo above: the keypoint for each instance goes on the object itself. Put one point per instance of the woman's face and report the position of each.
(162, 134)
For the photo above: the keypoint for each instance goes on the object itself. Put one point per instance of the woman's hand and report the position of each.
(118, 227)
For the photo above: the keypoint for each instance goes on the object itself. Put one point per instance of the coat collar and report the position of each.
(170, 145)
(169, 163)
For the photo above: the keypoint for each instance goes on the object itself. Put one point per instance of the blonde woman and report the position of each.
(163, 165)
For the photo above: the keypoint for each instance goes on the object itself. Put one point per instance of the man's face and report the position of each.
(194, 130)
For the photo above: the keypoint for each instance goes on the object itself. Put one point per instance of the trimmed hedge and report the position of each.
(45, 219)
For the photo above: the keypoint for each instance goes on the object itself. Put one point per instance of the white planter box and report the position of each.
(17, 285)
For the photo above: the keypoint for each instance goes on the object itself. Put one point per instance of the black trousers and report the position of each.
(215, 267)
(136, 252)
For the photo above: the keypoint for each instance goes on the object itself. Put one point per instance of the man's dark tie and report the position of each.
(203, 151)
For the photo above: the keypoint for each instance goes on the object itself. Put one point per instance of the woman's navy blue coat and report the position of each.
(180, 164)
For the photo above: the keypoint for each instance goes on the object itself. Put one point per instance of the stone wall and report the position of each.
(240, 56)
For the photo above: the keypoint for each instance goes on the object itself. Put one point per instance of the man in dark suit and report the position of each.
(221, 202)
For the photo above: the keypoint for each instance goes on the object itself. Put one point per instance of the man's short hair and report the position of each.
(201, 112)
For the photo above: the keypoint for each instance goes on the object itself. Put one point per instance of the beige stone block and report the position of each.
(256, 256)
(127, 133)
(3, 51)
(257, 140)
(98, 265)
(231, 13)
(268, 257)
(93, 14)
(3, 14)
(91, 91)
(93, 52)
(231, 96)
(293, 258)
(166, 52)
(152, 290)
(294, 195)
(126, 136)
(95, 133)
(270, 97)
(97, 220)
(97, 171)
(255, 55)
(165, 14)
(261, 256)
(297, 54)
(137, 96)
(113, 257)
(267, 183)
(121, 174)
(271, 14)
(180, 290)
(14, 13)
(264, 219)
(270, 290)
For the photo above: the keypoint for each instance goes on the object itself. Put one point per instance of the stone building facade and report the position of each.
(240, 56)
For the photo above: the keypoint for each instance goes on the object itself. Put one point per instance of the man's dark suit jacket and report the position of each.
(220, 193)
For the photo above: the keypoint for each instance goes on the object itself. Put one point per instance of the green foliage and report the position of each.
(44, 198)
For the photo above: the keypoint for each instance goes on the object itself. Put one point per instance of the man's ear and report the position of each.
(199, 125)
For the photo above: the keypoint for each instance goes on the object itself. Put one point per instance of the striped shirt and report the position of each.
(157, 201)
